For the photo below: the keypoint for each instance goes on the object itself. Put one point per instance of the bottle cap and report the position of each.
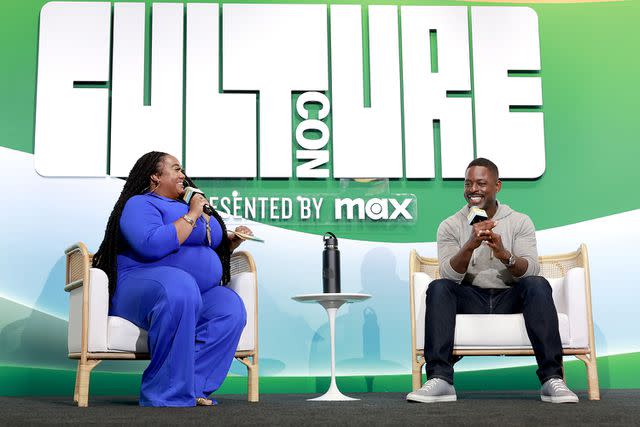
(330, 239)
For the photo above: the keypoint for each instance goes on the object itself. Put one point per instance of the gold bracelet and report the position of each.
(191, 222)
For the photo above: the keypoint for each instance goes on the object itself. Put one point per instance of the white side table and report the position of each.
(331, 303)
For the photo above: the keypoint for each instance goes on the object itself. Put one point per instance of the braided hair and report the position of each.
(223, 249)
(114, 243)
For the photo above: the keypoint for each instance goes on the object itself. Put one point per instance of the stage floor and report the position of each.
(617, 407)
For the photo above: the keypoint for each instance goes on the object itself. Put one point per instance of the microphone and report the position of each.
(476, 215)
(189, 192)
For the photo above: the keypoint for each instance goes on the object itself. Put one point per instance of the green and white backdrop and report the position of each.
(294, 115)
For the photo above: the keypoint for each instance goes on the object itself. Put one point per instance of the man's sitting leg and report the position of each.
(541, 321)
(445, 298)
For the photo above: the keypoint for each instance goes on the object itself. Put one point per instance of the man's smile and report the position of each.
(475, 199)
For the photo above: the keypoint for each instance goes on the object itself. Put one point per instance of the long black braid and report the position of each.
(113, 243)
(223, 249)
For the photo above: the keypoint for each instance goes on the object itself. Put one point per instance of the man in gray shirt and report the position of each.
(489, 267)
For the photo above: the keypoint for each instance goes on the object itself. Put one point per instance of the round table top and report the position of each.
(342, 296)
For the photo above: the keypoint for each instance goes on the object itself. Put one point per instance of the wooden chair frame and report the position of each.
(78, 260)
(552, 266)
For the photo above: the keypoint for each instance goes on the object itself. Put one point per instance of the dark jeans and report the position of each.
(530, 296)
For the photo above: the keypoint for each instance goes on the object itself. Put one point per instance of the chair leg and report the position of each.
(253, 384)
(75, 389)
(82, 382)
(416, 373)
(592, 375)
(251, 362)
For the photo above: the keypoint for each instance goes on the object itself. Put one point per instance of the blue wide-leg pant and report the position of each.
(193, 334)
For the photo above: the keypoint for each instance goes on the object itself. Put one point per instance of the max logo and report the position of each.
(374, 209)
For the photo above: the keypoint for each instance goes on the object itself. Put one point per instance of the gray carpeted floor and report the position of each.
(617, 407)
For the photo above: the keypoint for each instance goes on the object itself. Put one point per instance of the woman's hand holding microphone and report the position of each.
(185, 224)
(196, 206)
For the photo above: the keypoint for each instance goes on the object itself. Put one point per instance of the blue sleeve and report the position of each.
(142, 227)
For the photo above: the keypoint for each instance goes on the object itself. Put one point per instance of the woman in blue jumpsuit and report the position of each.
(168, 281)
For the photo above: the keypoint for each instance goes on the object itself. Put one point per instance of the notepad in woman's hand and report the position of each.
(245, 236)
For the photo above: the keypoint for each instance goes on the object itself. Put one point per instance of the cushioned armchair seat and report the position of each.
(95, 336)
(505, 334)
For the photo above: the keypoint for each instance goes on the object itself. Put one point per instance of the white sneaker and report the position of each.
(434, 390)
(555, 390)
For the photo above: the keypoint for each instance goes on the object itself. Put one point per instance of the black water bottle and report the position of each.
(330, 264)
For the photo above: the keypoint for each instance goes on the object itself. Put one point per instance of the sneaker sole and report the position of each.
(412, 397)
(565, 399)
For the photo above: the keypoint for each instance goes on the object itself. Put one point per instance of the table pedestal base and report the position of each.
(332, 395)
(331, 303)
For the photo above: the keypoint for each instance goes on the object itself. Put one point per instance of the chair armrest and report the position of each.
(98, 288)
(421, 282)
(575, 297)
(245, 285)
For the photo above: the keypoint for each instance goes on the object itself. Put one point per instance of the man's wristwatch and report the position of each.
(510, 262)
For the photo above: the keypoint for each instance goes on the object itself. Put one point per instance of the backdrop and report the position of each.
(279, 110)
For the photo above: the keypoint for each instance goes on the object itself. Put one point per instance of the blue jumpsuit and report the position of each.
(173, 291)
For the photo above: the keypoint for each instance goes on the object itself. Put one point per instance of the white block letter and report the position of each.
(425, 93)
(135, 128)
(219, 127)
(71, 124)
(367, 142)
(275, 49)
(505, 39)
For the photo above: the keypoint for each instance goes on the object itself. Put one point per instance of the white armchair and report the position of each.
(95, 336)
(505, 334)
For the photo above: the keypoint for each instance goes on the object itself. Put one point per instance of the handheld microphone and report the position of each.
(189, 192)
(476, 215)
